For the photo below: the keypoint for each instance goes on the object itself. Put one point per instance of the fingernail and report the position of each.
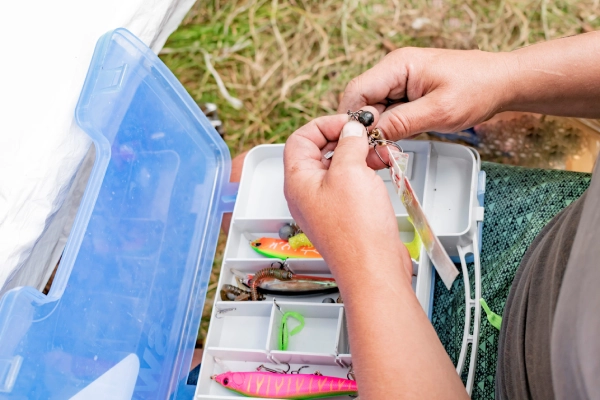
(352, 129)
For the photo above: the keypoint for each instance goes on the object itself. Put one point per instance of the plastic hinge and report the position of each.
(481, 187)
(479, 211)
(9, 369)
(229, 195)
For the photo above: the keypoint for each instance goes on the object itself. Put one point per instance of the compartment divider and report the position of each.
(261, 224)
(312, 266)
(259, 356)
(307, 358)
(423, 284)
(274, 321)
(340, 327)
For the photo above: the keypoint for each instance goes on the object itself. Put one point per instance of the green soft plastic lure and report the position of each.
(285, 333)
(494, 319)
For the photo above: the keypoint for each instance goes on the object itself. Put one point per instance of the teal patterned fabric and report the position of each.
(519, 202)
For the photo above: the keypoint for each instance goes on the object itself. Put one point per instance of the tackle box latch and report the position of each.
(479, 211)
(9, 369)
(228, 196)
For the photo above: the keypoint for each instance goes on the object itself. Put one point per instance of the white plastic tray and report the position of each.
(242, 335)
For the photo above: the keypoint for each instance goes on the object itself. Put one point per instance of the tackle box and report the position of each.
(122, 315)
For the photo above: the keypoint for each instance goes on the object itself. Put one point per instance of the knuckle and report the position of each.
(401, 124)
(353, 85)
(403, 53)
(355, 89)
(447, 117)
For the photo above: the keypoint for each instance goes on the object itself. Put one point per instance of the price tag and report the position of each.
(445, 267)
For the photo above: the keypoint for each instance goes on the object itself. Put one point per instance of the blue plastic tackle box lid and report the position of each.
(123, 313)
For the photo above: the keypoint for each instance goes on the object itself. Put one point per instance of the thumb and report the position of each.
(352, 147)
(404, 120)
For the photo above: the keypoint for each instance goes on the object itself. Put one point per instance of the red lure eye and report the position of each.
(226, 381)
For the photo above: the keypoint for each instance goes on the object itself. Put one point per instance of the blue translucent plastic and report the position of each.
(128, 295)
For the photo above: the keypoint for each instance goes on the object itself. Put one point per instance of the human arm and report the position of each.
(450, 90)
(237, 164)
(344, 208)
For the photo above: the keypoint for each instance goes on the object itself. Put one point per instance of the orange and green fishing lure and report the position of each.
(283, 249)
(279, 248)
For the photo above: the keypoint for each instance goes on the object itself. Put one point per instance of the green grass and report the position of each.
(313, 48)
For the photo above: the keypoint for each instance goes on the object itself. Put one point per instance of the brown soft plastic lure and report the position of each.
(281, 282)
(234, 293)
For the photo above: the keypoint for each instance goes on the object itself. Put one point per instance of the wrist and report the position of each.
(376, 264)
(380, 278)
(508, 88)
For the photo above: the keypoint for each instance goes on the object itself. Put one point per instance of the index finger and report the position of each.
(308, 141)
(303, 148)
(386, 80)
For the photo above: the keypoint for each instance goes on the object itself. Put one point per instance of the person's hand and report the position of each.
(342, 205)
(419, 90)
(345, 210)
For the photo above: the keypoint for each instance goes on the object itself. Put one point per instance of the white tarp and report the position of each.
(46, 47)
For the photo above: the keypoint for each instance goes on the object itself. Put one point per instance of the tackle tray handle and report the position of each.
(472, 307)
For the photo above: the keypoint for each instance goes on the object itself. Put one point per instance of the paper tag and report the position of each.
(440, 259)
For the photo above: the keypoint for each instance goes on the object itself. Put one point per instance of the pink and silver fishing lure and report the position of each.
(286, 386)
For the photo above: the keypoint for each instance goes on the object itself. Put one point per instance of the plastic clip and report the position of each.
(228, 196)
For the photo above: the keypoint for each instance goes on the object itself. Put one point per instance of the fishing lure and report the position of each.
(436, 252)
(263, 274)
(286, 386)
(414, 246)
(285, 333)
(293, 243)
(234, 293)
(282, 282)
(289, 230)
(279, 248)
(300, 240)
(294, 235)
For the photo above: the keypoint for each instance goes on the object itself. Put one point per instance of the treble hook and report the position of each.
(385, 142)
(282, 265)
(299, 369)
(261, 367)
(350, 374)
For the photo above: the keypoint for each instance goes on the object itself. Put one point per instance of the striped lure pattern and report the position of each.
(286, 386)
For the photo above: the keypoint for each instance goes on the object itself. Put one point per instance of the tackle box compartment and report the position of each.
(122, 316)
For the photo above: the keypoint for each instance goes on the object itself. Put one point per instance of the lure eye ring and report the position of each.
(385, 142)
(226, 381)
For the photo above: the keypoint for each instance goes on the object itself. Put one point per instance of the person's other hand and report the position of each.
(420, 90)
(342, 205)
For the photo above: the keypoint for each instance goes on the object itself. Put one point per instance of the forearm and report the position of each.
(396, 352)
(559, 77)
